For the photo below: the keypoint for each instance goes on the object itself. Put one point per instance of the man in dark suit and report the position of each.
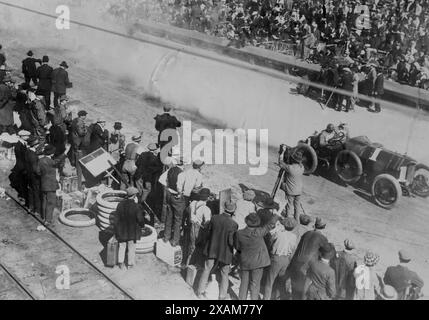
(306, 252)
(44, 75)
(78, 132)
(254, 257)
(320, 279)
(165, 121)
(49, 185)
(60, 82)
(99, 136)
(29, 68)
(346, 84)
(34, 183)
(402, 278)
(219, 249)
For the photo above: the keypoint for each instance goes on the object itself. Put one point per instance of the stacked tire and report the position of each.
(107, 202)
(146, 244)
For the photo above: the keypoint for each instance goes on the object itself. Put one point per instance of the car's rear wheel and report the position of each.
(386, 190)
(420, 184)
(309, 157)
(348, 166)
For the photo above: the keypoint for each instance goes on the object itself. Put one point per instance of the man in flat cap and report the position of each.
(44, 76)
(99, 136)
(29, 68)
(306, 252)
(282, 243)
(78, 132)
(60, 82)
(218, 249)
(129, 221)
(344, 264)
(47, 170)
(406, 282)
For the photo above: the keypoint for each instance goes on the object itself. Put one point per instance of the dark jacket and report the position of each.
(220, 238)
(29, 66)
(57, 139)
(44, 74)
(98, 138)
(321, 279)
(31, 162)
(6, 106)
(129, 221)
(400, 277)
(307, 250)
(166, 121)
(46, 169)
(344, 266)
(20, 151)
(379, 84)
(60, 81)
(249, 242)
(347, 81)
(148, 167)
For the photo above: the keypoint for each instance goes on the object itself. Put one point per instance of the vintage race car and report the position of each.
(388, 175)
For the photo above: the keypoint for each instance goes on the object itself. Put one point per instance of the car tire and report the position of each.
(106, 204)
(105, 215)
(348, 158)
(382, 184)
(309, 157)
(105, 210)
(63, 217)
(103, 220)
(146, 244)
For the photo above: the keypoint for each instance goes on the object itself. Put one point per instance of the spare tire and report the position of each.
(309, 157)
(146, 243)
(104, 210)
(348, 166)
(104, 220)
(104, 215)
(102, 198)
(63, 217)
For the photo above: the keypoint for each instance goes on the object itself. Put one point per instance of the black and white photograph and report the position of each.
(214, 155)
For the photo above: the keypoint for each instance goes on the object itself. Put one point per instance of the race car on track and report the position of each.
(388, 175)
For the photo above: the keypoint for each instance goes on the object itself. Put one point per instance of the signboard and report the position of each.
(97, 162)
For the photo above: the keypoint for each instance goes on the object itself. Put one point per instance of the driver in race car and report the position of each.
(331, 141)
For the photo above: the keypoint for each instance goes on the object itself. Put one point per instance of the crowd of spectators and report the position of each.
(391, 32)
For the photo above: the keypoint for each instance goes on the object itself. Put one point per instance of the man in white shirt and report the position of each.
(200, 215)
(191, 181)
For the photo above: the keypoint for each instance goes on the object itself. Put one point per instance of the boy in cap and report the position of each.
(253, 255)
(218, 249)
(406, 282)
(199, 217)
(282, 243)
(47, 170)
(129, 221)
(344, 264)
(44, 76)
(29, 68)
(60, 82)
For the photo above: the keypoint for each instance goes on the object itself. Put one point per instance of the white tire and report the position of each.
(77, 224)
(103, 224)
(105, 210)
(104, 215)
(143, 251)
(147, 242)
(110, 205)
(103, 220)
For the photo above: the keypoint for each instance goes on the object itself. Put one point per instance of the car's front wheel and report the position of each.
(386, 190)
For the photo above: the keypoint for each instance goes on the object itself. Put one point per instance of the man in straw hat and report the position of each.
(29, 68)
(253, 255)
(403, 279)
(282, 243)
(306, 252)
(367, 282)
(129, 221)
(292, 184)
(218, 249)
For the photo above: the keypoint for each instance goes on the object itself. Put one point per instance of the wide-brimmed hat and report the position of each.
(267, 203)
(152, 147)
(204, 194)
(371, 259)
(249, 195)
(132, 191)
(289, 223)
(404, 256)
(320, 224)
(49, 150)
(45, 59)
(230, 207)
(64, 64)
(304, 219)
(388, 292)
(252, 220)
(117, 126)
(348, 244)
(24, 133)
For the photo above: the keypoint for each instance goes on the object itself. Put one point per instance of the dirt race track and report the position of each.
(349, 213)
